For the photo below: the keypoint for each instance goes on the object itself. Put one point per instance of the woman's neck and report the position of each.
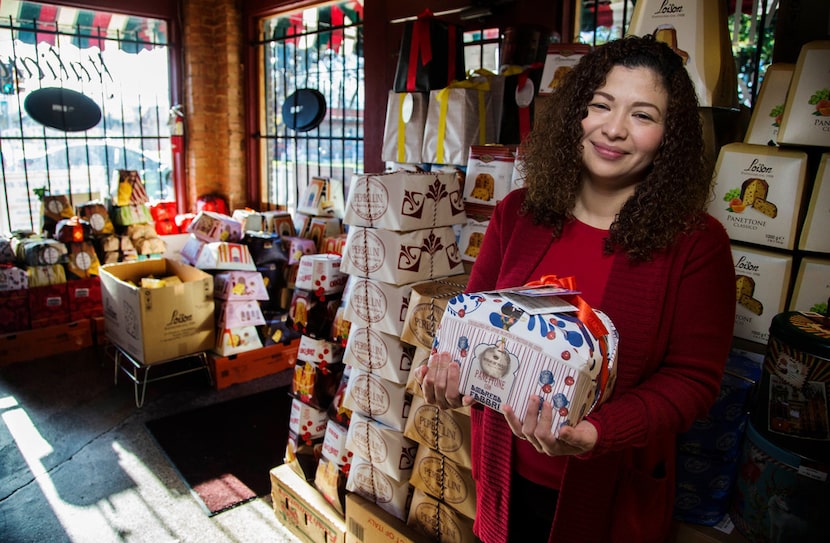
(599, 207)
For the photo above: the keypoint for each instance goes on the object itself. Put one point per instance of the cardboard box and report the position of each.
(699, 33)
(239, 285)
(14, 311)
(759, 275)
(817, 222)
(303, 510)
(489, 174)
(443, 479)
(426, 308)
(84, 298)
(402, 257)
(757, 193)
(47, 341)
(806, 119)
(812, 285)
(376, 304)
(444, 430)
(368, 523)
(244, 367)
(371, 483)
(382, 400)
(768, 110)
(511, 346)
(426, 514)
(211, 226)
(386, 449)
(560, 59)
(382, 354)
(320, 274)
(155, 325)
(404, 201)
(48, 305)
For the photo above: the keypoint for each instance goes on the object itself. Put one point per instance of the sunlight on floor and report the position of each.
(80, 523)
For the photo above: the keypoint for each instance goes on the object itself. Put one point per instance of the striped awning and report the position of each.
(36, 23)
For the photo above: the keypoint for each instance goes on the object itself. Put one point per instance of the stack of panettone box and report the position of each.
(401, 235)
(316, 285)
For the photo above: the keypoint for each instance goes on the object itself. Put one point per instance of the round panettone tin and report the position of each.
(779, 495)
(791, 405)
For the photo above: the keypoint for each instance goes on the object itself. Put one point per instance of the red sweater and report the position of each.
(675, 316)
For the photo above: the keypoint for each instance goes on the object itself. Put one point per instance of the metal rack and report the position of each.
(139, 373)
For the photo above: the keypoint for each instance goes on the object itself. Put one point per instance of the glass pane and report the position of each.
(119, 64)
(313, 88)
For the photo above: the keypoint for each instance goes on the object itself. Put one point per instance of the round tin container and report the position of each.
(791, 406)
(779, 496)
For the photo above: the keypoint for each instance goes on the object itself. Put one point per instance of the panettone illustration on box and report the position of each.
(745, 290)
(475, 244)
(753, 193)
(558, 75)
(484, 187)
(668, 35)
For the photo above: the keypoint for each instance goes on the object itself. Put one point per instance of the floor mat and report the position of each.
(225, 451)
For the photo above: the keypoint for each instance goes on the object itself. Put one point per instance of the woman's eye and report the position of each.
(644, 116)
(598, 105)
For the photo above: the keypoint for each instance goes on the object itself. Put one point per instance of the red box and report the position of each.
(85, 298)
(48, 305)
(14, 310)
(250, 365)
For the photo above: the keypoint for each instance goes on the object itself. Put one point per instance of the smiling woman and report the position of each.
(84, 93)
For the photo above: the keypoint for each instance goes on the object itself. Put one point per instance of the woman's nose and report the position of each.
(615, 126)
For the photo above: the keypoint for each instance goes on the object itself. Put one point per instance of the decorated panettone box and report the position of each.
(542, 340)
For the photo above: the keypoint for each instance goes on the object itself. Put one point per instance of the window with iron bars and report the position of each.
(117, 63)
(317, 55)
(311, 122)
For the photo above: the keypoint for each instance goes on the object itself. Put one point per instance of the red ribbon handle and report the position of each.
(420, 46)
(524, 112)
(583, 310)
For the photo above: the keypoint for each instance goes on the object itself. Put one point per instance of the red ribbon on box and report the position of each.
(585, 314)
(584, 311)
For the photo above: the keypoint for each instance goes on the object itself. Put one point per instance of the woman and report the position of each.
(616, 188)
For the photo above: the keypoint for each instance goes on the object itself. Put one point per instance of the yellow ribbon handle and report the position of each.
(401, 130)
(443, 97)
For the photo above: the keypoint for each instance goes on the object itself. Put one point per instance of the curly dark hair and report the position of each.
(675, 192)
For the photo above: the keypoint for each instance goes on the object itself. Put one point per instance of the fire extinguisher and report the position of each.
(176, 124)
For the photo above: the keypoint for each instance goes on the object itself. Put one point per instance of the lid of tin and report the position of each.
(805, 331)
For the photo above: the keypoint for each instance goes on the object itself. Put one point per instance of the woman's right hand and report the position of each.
(439, 379)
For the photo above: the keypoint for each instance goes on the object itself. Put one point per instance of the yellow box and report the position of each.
(159, 324)
(303, 510)
(369, 523)
(46, 341)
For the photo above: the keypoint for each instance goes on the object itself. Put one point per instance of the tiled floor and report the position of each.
(78, 464)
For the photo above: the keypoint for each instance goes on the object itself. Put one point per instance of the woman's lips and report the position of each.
(607, 152)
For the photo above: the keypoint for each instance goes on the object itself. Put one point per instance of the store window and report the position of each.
(84, 93)
(751, 28)
(313, 88)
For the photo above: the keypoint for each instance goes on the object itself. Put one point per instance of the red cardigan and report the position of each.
(675, 316)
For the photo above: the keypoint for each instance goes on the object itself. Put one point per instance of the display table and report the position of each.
(139, 373)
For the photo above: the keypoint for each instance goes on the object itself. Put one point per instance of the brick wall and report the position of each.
(213, 44)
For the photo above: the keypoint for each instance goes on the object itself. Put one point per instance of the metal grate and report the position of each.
(311, 59)
(117, 62)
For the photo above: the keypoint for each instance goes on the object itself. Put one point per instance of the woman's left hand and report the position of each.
(537, 429)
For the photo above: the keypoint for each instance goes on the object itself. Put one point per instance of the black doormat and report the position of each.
(225, 451)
